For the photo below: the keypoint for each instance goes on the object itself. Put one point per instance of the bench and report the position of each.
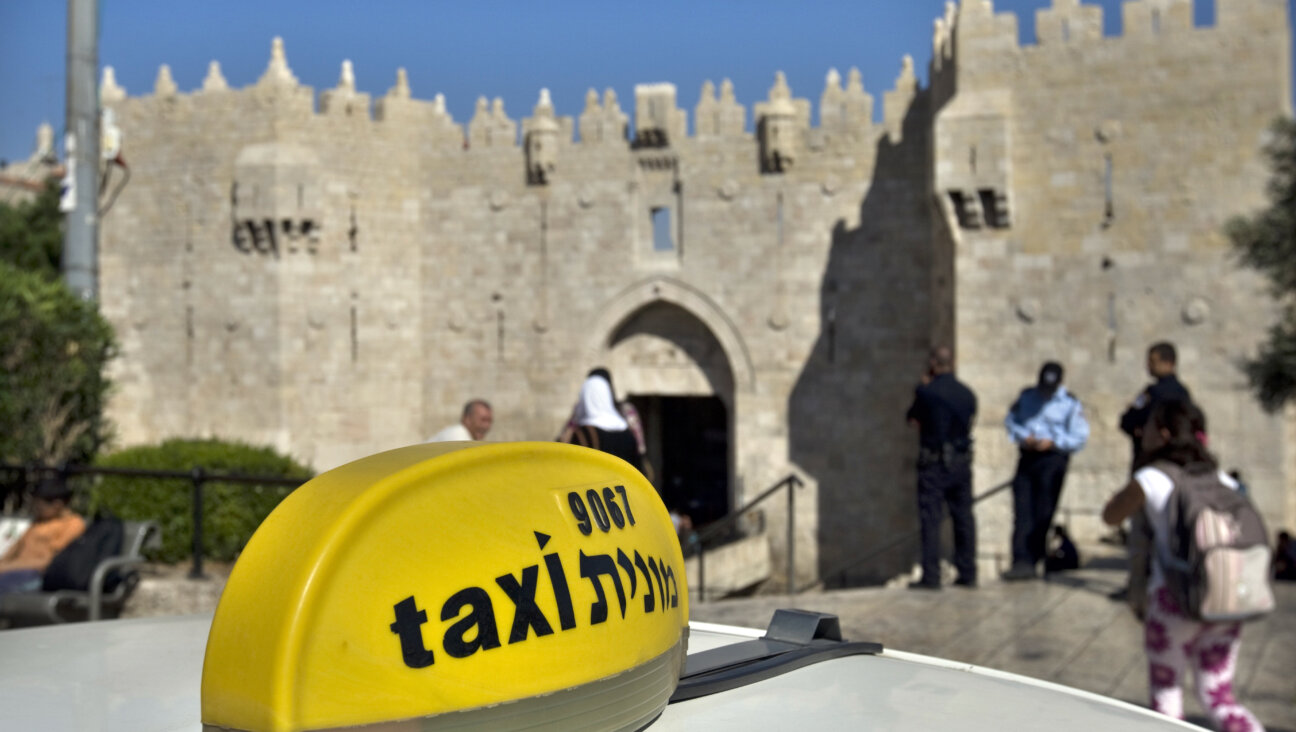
(95, 603)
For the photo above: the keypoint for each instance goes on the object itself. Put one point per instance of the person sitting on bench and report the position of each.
(55, 526)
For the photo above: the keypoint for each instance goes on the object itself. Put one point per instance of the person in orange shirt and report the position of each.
(55, 526)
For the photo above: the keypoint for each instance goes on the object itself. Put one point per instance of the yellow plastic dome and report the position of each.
(454, 586)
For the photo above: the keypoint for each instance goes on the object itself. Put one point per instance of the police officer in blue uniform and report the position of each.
(944, 409)
(1047, 424)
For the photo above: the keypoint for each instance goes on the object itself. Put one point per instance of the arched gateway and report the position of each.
(679, 360)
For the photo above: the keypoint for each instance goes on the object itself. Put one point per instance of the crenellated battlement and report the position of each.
(896, 102)
(979, 29)
(845, 109)
(974, 48)
(720, 116)
(1149, 18)
(1068, 21)
(970, 28)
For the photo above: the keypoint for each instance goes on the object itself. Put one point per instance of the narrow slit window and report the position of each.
(355, 335)
(663, 237)
(1066, 30)
(990, 208)
(1156, 21)
(353, 231)
(960, 208)
(1109, 205)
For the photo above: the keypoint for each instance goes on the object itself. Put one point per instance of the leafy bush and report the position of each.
(31, 233)
(53, 350)
(231, 511)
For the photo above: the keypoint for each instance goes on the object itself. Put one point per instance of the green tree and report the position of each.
(31, 234)
(1266, 241)
(53, 350)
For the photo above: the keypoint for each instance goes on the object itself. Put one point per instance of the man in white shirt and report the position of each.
(473, 425)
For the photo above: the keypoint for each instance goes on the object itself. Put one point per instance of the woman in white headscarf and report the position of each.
(597, 422)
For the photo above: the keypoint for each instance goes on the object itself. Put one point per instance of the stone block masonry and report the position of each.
(338, 281)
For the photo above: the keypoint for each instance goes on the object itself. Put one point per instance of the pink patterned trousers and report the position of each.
(1174, 642)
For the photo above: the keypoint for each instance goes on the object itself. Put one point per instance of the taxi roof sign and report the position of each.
(454, 585)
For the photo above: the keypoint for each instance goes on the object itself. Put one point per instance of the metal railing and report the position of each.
(727, 522)
(197, 477)
(896, 542)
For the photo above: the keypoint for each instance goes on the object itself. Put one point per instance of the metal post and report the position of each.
(791, 537)
(82, 147)
(693, 539)
(196, 571)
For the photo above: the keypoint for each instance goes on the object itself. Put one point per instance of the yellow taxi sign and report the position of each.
(453, 579)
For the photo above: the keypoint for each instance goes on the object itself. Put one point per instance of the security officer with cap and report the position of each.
(944, 409)
(1047, 424)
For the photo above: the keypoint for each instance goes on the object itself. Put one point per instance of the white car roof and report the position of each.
(144, 675)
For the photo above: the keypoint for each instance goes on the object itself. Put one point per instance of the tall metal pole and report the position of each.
(81, 203)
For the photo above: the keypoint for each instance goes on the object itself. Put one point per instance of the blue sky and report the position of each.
(502, 48)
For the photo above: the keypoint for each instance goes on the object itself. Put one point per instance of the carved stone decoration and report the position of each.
(1108, 131)
(456, 319)
(542, 142)
(728, 189)
(44, 142)
(704, 115)
(778, 128)
(778, 320)
(277, 72)
(585, 197)
(1196, 311)
(343, 98)
(498, 199)
(274, 208)
(830, 185)
(215, 80)
(402, 88)
(1027, 310)
(490, 125)
(658, 122)
(165, 85)
(844, 112)
(346, 79)
(109, 91)
(603, 123)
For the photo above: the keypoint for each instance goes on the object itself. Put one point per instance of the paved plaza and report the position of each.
(1066, 630)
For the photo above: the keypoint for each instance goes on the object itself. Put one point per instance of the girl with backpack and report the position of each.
(1174, 641)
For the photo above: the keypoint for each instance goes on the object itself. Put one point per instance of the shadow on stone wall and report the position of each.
(846, 413)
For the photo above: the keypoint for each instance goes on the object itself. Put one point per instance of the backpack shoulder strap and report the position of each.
(585, 436)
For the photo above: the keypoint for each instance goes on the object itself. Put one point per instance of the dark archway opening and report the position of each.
(688, 448)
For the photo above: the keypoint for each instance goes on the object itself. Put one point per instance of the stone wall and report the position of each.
(1116, 161)
(338, 281)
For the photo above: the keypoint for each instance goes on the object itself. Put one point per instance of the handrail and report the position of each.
(196, 476)
(792, 481)
(714, 528)
(893, 543)
(151, 473)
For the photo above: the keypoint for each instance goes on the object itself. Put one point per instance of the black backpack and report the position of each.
(73, 568)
